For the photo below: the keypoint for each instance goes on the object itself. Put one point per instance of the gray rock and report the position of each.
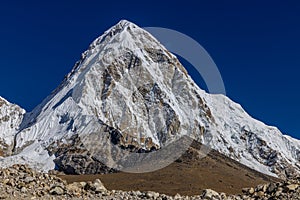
(177, 196)
(271, 188)
(223, 195)
(74, 187)
(29, 179)
(23, 190)
(152, 195)
(5, 181)
(291, 187)
(211, 194)
(248, 190)
(260, 194)
(98, 186)
(56, 190)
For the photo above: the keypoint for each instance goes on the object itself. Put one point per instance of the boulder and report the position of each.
(56, 190)
(152, 195)
(291, 187)
(211, 194)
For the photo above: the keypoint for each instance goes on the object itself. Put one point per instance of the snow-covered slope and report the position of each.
(129, 93)
(11, 117)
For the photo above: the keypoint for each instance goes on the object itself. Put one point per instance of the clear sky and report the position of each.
(255, 44)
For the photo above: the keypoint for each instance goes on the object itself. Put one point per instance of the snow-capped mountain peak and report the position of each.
(129, 93)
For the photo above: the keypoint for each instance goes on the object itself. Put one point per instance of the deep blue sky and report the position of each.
(255, 44)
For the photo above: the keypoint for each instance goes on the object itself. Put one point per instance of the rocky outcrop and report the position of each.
(11, 117)
(74, 158)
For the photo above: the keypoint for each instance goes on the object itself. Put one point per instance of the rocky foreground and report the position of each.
(21, 182)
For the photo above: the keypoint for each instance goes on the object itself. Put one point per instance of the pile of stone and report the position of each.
(289, 189)
(20, 182)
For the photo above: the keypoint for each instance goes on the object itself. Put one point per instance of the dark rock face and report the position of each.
(262, 152)
(74, 158)
(80, 164)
